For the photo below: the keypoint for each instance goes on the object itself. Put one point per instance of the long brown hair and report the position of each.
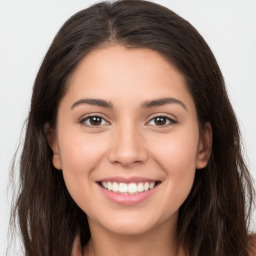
(214, 218)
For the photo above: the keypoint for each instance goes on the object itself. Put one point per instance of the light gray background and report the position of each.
(28, 27)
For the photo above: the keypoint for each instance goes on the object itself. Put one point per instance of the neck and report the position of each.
(159, 241)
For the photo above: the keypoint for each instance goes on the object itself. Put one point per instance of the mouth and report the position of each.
(128, 188)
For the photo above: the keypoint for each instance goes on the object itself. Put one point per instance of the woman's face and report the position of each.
(127, 140)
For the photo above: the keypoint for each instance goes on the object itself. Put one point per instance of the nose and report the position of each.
(127, 147)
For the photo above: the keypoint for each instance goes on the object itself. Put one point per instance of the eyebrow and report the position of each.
(95, 102)
(161, 102)
(146, 104)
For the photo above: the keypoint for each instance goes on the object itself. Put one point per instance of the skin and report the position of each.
(128, 142)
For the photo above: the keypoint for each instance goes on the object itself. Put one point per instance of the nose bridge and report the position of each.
(128, 146)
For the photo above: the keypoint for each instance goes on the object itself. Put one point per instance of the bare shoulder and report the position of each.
(252, 247)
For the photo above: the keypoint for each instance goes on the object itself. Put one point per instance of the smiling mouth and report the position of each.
(128, 188)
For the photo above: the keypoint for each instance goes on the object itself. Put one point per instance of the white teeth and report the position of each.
(140, 187)
(122, 188)
(146, 186)
(115, 187)
(109, 186)
(104, 184)
(151, 185)
(131, 188)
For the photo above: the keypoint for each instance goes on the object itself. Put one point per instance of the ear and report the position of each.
(204, 147)
(51, 136)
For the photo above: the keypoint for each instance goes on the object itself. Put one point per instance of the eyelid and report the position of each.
(86, 116)
(171, 118)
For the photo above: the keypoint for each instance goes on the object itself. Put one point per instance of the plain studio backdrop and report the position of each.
(28, 27)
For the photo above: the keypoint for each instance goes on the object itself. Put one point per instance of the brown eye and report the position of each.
(161, 121)
(94, 121)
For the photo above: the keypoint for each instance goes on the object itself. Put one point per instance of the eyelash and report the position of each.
(170, 121)
(89, 118)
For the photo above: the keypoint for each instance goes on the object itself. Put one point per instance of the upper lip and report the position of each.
(134, 179)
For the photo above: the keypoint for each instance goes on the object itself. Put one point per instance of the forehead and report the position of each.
(119, 72)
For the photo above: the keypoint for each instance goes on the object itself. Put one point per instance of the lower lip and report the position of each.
(128, 199)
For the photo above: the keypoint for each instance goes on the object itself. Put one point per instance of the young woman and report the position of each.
(132, 146)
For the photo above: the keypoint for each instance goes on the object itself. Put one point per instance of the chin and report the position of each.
(133, 229)
(134, 225)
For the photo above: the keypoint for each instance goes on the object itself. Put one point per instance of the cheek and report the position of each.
(177, 154)
(80, 153)
(177, 159)
(80, 156)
